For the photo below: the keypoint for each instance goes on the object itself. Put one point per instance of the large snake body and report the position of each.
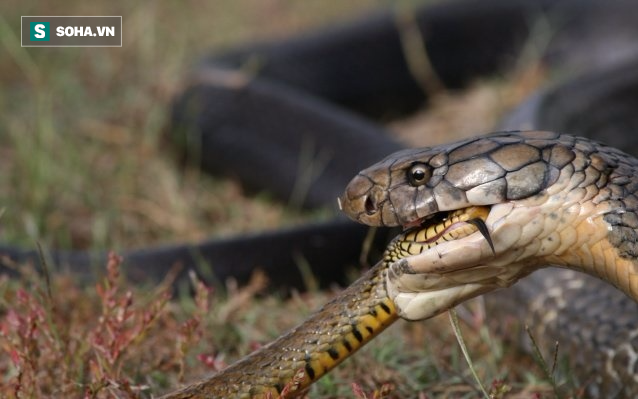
(542, 199)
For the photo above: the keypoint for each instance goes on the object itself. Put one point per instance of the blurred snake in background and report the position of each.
(299, 118)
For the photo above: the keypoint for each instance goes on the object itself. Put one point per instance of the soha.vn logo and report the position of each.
(40, 31)
(71, 31)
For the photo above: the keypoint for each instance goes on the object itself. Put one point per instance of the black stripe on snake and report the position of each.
(326, 87)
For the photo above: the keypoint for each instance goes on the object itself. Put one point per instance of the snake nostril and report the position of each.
(370, 207)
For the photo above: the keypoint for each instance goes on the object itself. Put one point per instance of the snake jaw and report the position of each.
(426, 282)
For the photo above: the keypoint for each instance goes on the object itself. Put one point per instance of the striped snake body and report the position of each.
(304, 354)
(479, 215)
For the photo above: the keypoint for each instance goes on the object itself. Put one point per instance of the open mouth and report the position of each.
(426, 233)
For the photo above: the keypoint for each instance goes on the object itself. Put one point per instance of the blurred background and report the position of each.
(81, 150)
(84, 164)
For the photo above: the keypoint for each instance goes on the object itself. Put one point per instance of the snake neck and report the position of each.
(305, 353)
(588, 221)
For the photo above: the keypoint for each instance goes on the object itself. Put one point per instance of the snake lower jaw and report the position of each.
(415, 306)
(419, 296)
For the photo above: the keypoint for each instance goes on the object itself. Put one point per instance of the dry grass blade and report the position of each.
(454, 320)
(538, 356)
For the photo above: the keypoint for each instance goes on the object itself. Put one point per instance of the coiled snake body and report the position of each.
(540, 199)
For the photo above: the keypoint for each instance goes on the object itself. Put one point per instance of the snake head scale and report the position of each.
(480, 214)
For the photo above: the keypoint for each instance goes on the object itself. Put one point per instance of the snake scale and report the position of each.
(307, 113)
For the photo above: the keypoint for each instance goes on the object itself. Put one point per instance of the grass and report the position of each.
(116, 340)
(84, 166)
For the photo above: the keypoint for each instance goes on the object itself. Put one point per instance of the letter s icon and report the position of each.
(40, 33)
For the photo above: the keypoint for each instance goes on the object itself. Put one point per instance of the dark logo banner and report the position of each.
(53, 31)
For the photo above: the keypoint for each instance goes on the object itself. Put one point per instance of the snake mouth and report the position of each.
(430, 231)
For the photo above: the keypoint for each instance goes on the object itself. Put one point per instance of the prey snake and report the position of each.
(227, 114)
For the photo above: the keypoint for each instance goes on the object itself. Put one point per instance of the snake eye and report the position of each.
(419, 174)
